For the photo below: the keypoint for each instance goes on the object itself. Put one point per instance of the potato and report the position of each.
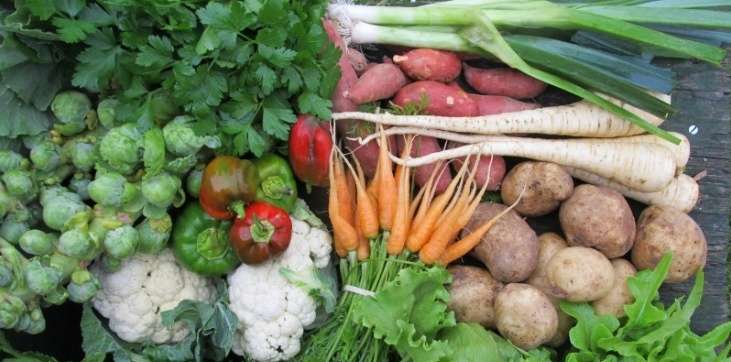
(613, 303)
(598, 217)
(549, 244)
(510, 248)
(579, 274)
(663, 229)
(525, 315)
(565, 322)
(546, 186)
(472, 294)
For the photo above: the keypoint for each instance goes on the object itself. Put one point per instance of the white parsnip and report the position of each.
(644, 167)
(579, 119)
(682, 193)
(681, 151)
(444, 135)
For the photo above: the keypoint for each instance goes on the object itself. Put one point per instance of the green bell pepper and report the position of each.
(201, 244)
(277, 183)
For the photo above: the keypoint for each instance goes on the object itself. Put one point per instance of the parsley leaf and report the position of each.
(158, 52)
(98, 61)
(73, 30)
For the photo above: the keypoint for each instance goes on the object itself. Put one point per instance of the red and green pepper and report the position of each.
(228, 183)
(277, 184)
(264, 232)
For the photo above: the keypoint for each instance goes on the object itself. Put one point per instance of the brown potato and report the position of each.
(580, 274)
(546, 186)
(565, 322)
(663, 229)
(549, 244)
(510, 248)
(613, 303)
(525, 315)
(472, 294)
(600, 218)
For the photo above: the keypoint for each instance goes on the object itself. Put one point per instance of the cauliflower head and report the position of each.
(272, 311)
(133, 297)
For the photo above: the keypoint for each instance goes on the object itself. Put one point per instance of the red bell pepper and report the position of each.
(227, 183)
(310, 144)
(264, 232)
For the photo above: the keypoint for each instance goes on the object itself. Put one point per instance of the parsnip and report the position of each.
(681, 152)
(644, 167)
(579, 119)
(682, 193)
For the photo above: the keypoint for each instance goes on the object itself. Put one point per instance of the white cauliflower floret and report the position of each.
(133, 297)
(272, 311)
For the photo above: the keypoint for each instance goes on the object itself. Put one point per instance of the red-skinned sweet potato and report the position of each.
(500, 104)
(381, 81)
(442, 99)
(367, 154)
(357, 60)
(494, 165)
(423, 146)
(503, 82)
(348, 77)
(429, 64)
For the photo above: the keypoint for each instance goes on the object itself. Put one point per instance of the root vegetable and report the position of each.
(442, 100)
(546, 186)
(680, 152)
(663, 229)
(550, 244)
(429, 64)
(472, 295)
(600, 218)
(366, 153)
(682, 193)
(490, 170)
(509, 249)
(645, 167)
(487, 105)
(381, 81)
(565, 322)
(348, 77)
(613, 303)
(357, 60)
(425, 146)
(580, 274)
(580, 119)
(503, 82)
(525, 316)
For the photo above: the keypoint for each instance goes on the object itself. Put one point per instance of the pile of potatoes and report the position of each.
(526, 275)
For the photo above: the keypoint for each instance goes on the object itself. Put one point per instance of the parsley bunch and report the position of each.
(241, 68)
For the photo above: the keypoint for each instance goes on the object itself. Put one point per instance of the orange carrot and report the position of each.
(462, 247)
(428, 222)
(401, 223)
(344, 232)
(365, 209)
(386, 185)
(344, 196)
(363, 251)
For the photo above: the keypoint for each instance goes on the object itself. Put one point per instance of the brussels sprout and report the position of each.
(6, 276)
(121, 242)
(10, 160)
(83, 286)
(11, 309)
(181, 165)
(106, 112)
(113, 190)
(57, 296)
(63, 263)
(83, 155)
(46, 156)
(154, 151)
(111, 264)
(161, 190)
(181, 140)
(120, 148)
(59, 211)
(12, 228)
(154, 234)
(41, 279)
(19, 184)
(77, 243)
(53, 192)
(193, 182)
(162, 106)
(7, 203)
(79, 184)
(70, 108)
(31, 322)
(36, 242)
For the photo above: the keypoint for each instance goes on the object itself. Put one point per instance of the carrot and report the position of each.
(363, 245)
(387, 194)
(463, 246)
(424, 229)
(344, 196)
(422, 205)
(401, 223)
(346, 238)
(365, 208)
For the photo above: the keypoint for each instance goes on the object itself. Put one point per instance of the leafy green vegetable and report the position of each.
(650, 330)
(471, 342)
(18, 356)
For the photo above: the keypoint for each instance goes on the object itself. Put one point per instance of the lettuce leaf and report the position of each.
(470, 342)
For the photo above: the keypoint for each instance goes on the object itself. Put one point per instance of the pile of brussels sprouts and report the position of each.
(91, 188)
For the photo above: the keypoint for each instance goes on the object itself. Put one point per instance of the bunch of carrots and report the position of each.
(426, 224)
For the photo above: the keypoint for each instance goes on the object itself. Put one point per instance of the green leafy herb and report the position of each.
(18, 356)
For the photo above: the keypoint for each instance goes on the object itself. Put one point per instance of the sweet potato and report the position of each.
(503, 82)
(348, 77)
(357, 60)
(442, 99)
(381, 81)
(423, 146)
(366, 154)
(500, 104)
(495, 165)
(429, 64)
